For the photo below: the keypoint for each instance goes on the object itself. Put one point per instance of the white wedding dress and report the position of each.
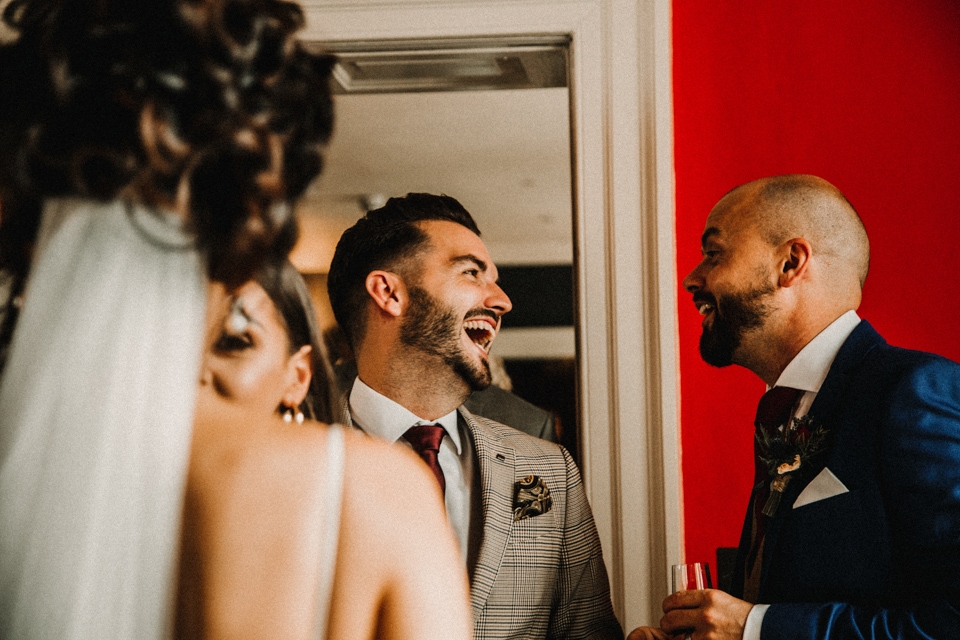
(96, 412)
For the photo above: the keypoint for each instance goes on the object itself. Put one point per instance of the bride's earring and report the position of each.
(290, 416)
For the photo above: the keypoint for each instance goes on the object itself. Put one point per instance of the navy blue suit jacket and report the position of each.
(883, 560)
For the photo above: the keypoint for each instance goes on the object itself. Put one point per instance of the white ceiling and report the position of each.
(505, 155)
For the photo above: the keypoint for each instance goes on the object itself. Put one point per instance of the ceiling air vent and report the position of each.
(448, 65)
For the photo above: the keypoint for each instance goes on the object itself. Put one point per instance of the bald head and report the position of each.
(783, 257)
(794, 206)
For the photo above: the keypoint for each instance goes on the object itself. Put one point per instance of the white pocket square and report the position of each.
(825, 485)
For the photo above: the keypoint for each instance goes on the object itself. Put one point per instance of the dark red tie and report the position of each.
(775, 406)
(426, 439)
(773, 411)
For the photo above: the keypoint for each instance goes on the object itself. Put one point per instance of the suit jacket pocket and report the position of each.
(533, 528)
(528, 574)
(833, 549)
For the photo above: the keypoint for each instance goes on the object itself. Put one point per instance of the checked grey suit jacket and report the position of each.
(543, 576)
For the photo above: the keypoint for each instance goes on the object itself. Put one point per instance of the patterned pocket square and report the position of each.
(532, 499)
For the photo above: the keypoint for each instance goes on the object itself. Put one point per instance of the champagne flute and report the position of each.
(687, 577)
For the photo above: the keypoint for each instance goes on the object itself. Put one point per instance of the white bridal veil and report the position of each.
(96, 411)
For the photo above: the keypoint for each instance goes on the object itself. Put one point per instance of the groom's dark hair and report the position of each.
(387, 238)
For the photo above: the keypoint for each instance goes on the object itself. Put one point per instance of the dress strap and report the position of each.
(332, 504)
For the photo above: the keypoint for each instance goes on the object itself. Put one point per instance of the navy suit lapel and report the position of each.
(856, 347)
(862, 340)
(736, 586)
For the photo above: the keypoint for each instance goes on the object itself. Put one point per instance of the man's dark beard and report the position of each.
(734, 314)
(436, 330)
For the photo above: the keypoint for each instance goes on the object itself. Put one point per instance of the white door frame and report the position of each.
(622, 138)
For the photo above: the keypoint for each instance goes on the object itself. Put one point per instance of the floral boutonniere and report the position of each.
(532, 498)
(785, 451)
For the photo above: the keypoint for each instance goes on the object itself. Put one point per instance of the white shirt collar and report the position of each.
(380, 416)
(809, 368)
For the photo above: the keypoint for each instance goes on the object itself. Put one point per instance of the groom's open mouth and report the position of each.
(482, 330)
(706, 305)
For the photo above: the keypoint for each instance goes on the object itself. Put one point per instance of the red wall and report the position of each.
(863, 93)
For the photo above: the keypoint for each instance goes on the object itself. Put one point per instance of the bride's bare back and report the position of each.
(397, 552)
(255, 515)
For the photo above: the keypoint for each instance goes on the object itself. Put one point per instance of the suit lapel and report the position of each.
(496, 463)
(345, 414)
(861, 341)
(497, 472)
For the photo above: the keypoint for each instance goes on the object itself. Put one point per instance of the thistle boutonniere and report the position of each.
(784, 451)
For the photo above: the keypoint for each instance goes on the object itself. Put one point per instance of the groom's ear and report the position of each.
(795, 259)
(388, 292)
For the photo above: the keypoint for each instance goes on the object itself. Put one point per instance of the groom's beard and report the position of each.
(734, 314)
(435, 329)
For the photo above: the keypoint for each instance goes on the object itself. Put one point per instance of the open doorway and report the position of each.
(485, 120)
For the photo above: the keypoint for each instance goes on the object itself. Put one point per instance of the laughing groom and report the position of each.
(853, 528)
(414, 289)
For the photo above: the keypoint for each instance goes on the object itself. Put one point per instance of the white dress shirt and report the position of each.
(379, 416)
(807, 371)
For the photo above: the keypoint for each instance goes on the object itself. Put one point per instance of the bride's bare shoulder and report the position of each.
(281, 464)
(393, 526)
(373, 450)
(389, 474)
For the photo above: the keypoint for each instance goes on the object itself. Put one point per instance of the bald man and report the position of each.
(853, 527)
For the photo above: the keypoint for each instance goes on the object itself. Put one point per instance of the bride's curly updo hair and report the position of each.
(209, 107)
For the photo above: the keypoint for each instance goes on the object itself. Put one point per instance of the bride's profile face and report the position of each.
(248, 362)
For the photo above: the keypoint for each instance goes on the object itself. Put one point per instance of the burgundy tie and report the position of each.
(773, 411)
(775, 406)
(425, 439)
